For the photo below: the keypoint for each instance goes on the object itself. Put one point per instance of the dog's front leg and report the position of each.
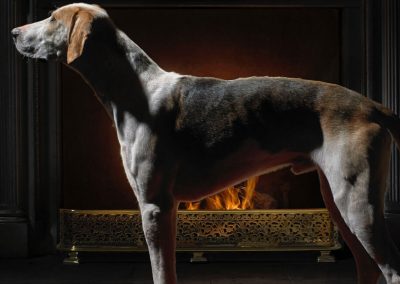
(151, 172)
(158, 210)
(159, 226)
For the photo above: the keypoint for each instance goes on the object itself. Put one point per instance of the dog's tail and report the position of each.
(390, 121)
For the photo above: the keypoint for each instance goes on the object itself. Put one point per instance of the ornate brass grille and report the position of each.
(262, 230)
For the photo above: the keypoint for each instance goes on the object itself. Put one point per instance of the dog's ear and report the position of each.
(79, 29)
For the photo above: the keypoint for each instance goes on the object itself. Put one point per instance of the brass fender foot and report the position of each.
(198, 256)
(72, 258)
(326, 256)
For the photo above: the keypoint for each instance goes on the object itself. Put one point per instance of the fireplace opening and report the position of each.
(271, 191)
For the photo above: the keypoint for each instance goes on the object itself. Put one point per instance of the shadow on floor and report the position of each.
(250, 268)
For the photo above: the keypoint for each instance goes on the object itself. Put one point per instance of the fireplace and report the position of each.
(276, 211)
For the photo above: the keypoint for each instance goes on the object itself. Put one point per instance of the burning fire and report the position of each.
(233, 198)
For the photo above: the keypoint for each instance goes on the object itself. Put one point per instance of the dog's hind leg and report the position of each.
(356, 166)
(368, 271)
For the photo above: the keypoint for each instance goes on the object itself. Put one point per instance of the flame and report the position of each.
(247, 202)
(232, 198)
(193, 205)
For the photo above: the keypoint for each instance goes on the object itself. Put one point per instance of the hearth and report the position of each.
(202, 231)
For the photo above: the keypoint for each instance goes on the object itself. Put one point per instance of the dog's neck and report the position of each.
(121, 74)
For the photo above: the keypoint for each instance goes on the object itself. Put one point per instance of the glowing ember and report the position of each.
(233, 198)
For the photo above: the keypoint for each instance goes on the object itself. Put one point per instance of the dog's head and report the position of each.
(61, 36)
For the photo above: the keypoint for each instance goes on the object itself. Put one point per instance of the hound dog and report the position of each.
(183, 137)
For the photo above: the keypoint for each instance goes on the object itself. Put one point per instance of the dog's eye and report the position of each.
(52, 19)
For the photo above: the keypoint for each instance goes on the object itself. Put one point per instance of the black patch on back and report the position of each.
(217, 116)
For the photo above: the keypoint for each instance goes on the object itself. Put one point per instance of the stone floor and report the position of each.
(222, 269)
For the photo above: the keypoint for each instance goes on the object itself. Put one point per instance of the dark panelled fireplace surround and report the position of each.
(62, 182)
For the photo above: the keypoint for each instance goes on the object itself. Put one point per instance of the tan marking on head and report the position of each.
(79, 31)
(78, 18)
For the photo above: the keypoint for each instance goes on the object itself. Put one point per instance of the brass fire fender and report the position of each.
(199, 231)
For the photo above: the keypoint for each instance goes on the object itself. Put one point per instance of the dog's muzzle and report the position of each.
(15, 33)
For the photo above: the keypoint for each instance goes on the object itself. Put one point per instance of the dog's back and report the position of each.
(282, 114)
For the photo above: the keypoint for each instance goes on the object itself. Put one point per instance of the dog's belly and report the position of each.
(196, 181)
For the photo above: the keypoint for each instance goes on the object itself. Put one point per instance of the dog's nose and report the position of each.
(15, 32)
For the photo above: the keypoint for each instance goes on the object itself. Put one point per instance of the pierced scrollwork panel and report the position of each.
(207, 230)
(101, 229)
(255, 229)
